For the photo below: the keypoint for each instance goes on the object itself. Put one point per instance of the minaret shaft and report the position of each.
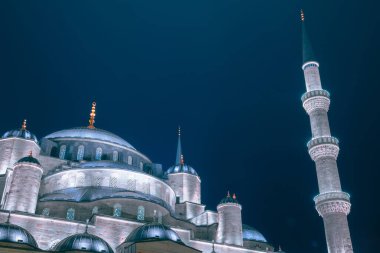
(332, 204)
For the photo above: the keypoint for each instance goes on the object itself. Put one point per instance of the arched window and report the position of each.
(80, 153)
(70, 215)
(140, 213)
(117, 210)
(130, 160)
(46, 212)
(98, 154)
(115, 156)
(159, 217)
(141, 165)
(95, 210)
(62, 152)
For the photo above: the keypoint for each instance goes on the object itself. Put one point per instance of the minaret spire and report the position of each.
(308, 54)
(179, 156)
(332, 204)
(92, 116)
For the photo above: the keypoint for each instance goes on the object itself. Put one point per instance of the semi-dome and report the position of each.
(250, 233)
(153, 231)
(181, 168)
(92, 134)
(29, 159)
(84, 242)
(21, 133)
(16, 234)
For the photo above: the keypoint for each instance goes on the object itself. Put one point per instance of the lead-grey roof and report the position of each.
(250, 233)
(90, 133)
(21, 133)
(29, 159)
(153, 231)
(16, 234)
(84, 242)
(181, 168)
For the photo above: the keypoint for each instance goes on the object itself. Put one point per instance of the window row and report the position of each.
(98, 155)
(117, 212)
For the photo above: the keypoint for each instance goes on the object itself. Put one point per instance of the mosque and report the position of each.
(88, 190)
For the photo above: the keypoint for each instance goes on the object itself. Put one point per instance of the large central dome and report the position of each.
(90, 133)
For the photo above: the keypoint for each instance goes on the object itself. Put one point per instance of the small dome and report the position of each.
(16, 234)
(229, 199)
(29, 159)
(181, 168)
(84, 242)
(90, 133)
(20, 133)
(249, 233)
(153, 231)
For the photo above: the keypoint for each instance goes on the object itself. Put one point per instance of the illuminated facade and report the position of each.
(332, 204)
(86, 189)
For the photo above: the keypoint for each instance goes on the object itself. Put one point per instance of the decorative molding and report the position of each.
(318, 102)
(335, 206)
(324, 150)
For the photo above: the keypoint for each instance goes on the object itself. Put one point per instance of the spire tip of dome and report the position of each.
(92, 116)
(23, 127)
(302, 16)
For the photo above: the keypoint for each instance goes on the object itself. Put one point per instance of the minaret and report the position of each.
(332, 204)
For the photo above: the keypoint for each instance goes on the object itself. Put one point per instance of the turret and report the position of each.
(25, 185)
(184, 179)
(230, 228)
(332, 204)
(14, 144)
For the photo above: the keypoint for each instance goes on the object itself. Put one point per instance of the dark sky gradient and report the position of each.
(229, 72)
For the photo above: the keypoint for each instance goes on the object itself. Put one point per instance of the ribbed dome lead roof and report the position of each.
(153, 231)
(16, 234)
(84, 242)
(90, 133)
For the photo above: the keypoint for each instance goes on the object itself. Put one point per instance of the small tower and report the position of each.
(332, 204)
(25, 185)
(230, 228)
(14, 144)
(183, 178)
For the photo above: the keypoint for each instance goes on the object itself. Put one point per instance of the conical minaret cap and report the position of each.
(307, 50)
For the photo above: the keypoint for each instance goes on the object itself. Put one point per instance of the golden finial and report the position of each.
(92, 116)
(302, 16)
(182, 160)
(234, 196)
(23, 127)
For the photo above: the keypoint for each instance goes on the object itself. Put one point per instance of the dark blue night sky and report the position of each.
(227, 71)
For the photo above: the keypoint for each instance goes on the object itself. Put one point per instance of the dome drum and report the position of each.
(117, 179)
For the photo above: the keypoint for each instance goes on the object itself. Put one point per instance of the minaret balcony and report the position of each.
(315, 93)
(322, 140)
(316, 99)
(332, 202)
(322, 147)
